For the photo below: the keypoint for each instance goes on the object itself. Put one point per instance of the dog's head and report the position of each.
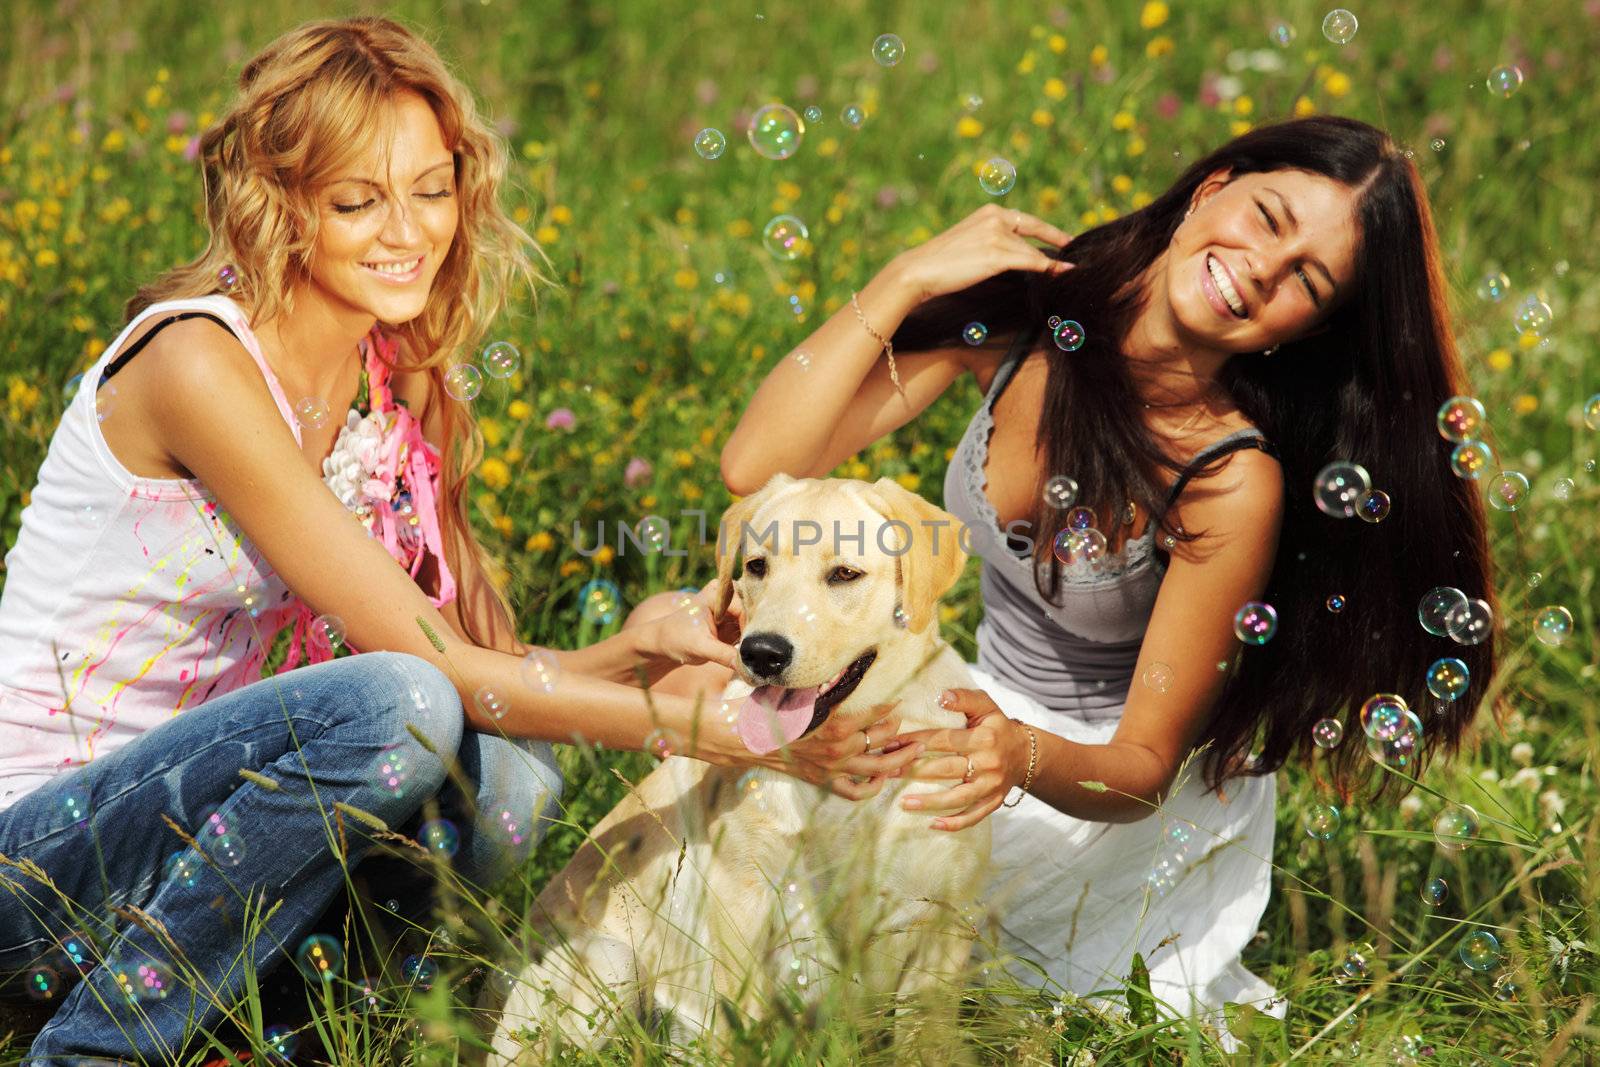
(836, 573)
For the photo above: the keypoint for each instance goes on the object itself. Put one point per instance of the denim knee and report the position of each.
(519, 795)
(408, 691)
(428, 701)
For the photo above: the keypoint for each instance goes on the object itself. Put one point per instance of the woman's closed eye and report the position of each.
(1272, 223)
(350, 209)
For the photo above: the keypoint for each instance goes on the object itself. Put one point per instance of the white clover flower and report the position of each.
(1410, 806)
(1522, 753)
(1527, 776)
(1552, 804)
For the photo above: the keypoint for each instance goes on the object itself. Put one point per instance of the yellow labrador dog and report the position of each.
(708, 888)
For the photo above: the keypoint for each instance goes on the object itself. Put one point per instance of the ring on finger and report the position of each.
(867, 746)
(968, 776)
(1016, 221)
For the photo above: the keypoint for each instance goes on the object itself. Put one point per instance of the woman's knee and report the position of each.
(414, 710)
(653, 607)
(519, 787)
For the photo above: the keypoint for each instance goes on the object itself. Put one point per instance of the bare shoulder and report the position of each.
(1248, 490)
(984, 360)
(199, 362)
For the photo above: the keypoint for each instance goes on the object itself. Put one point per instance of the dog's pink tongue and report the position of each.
(772, 717)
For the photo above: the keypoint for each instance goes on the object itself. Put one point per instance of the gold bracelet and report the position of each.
(888, 346)
(1033, 765)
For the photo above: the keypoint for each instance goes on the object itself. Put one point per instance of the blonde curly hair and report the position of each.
(309, 104)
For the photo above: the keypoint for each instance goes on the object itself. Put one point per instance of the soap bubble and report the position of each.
(1053, 321)
(1060, 491)
(1448, 678)
(1460, 418)
(500, 358)
(1437, 144)
(1355, 964)
(1327, 733)
(975, 333)
(1505, 80)
(491, 703)
(328, 630)
(663, 742)
(888, 50)
(312, 412)
(1471, 623)
(1456, 827)
(541, 670)
(463, 381)
(775, 131)
(149, 981)
(281, 1041)
(1553, 625)
(1080, 518)
(1435, 891)
(1336, 603)
(1437, 606)
(1068, 335)
(1591, 412)
(852, 116)
(1079, 546)
(1383, 715)
(1373, 506)
(1321, 821)
(786, 237)
(813, 113)
(710, 143)
(1157, 676)
(420, 971)
(599, 601)
(997, 176)
(1494, 286)
(320, 957)
(1339, 26)
(1397, 749)
(1282, 34)
(43, 984)
(653, 534)
(440, 836)
(1508, 490)
(1255, 623)
(1533, 316)
(1339, 487)
(1470, 459)
(227, 850)
(1480, 951)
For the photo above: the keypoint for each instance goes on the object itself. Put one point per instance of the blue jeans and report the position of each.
(333, 732)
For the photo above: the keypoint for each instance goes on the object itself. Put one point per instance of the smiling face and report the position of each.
(387, 221)
(1264, 258)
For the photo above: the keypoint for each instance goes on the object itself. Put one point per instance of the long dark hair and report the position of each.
(1364, 390)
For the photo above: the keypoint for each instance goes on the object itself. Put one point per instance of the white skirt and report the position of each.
(1184, 887)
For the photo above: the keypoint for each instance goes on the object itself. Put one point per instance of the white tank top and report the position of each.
(127, 600)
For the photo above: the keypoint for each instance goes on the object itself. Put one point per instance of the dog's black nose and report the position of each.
(766, 654)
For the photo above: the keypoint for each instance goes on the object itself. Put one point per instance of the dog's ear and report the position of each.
(934, 559)
(729, 533)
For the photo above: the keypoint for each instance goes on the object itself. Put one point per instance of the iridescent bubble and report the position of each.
(1591, 412)
(1505, 80)
(1448, 678)
(1533, 316)
(440, 836)
(972, 102)
(148, 981)
(1157, 676)
(420, 971)
(1456, 827)
(541, 670)
(1480, 951)
(1282, 34)
(1080, 546)
(786, 237)
(802, 358)
(653, 534)
(227, 850)
(1399, 749)
(710, 143)
(74, 803)
(1321, 821)
(663, 742)
(311, 412)
(501, 359)
(1437, 606)
(853, 116)
(281, 1041)
(1470, 459)
(813, 113)
(1373, 506)
(997, 176)
(1508, 490)
(775, 131)
(1053, 321)
(1255, 623)
(510, 826)
(1060, 491)
(228, 276)
(1336, 603)
(464, 382)
(1435, 891)
(888, 50)
(1068, 335)
(1553, 626)
(1471, 623)
(105, 401)
(599, 601)
(1437, 144)
(1339, 488)
(391, 772)
(43, 984)
(1339, 26)
(328, 631)
(1493, 287)
(491, 703)
(1355, 964)
(1460, 418)
(975, 333)
(1327, 733)
(320, 957)
(1383, 715)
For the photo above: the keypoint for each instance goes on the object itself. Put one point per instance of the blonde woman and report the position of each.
(206, 490)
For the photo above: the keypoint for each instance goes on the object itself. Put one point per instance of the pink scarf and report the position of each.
(407, 462)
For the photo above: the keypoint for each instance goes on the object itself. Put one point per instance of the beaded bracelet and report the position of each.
(1033, 765)
(888, 346)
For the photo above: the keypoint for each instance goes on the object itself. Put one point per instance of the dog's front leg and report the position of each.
(922, 956)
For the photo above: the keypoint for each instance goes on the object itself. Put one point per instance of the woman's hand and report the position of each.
(995, 749)
(987, 242)
(689, 635)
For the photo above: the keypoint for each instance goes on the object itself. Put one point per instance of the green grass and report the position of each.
(670, 312)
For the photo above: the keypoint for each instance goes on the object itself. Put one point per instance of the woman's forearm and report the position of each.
(614, 660)
(807, 397)
(1134, 778)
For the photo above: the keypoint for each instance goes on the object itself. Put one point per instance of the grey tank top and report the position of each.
(1076, 655)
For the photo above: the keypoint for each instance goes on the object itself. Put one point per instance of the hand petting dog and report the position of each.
(993, 750)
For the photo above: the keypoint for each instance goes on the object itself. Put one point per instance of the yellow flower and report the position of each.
(514, 454)
(685, 278)
(683, 458)
(1088, 218)
(1303, 107)
(502, 523)
(547, 235)
(949, 613)
(92, 349)
(561, 214)
(46, 258)
(740, 228)
(1121, 184)
(1141, 199)
(1243, 105)
(968, 127)
(1526, 404)
(539, 542)
(1041, 117)
(1238, 127)
(828, 147)
(520, 410)
(1159, 46)
(1338, 84)
(909, 480)
(1028, 61)
(152, 96)
(532, 149)
(1154, 14)
(1122, 120)
(162, 75)
(1055, 89)
(1107, 213)
(113, 141)
(592, 90)
(1057, 43)
(1527, 340)
(570, 567)
(859, 469)
(1049, 199)
(21, 396)
(789, 190)
(605, 555)
(1136, 146)
(495, 473)
(1500, 359)
(1098, 56)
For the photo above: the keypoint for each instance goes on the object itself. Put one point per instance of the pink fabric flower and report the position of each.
(637, 472)
(561, 419)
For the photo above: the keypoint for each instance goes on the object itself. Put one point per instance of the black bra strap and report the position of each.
(133, 349)
(1215, 452)
(1019, 349)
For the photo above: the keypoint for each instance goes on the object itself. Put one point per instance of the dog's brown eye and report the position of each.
(755, 568)
(840, 575)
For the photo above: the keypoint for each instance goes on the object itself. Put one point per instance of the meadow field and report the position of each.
(669, 310)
